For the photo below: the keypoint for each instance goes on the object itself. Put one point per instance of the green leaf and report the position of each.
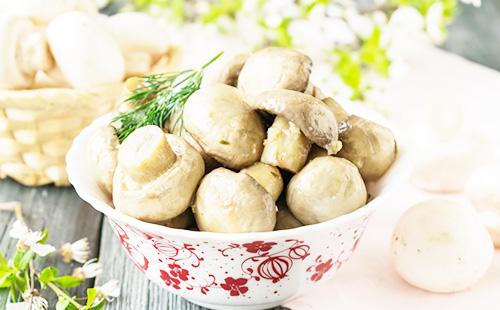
(222, 8)
(4, 297)
(62, 304)
(373, 54)
(349, 70)
(283, 38)
(91, 295)
(3, 260)
(5, 280)
(48, 275)
(99, 305)
(22, 259)
(67, 281)
(45, 236)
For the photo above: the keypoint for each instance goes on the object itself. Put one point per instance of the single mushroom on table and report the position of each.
(24, 52)
(87, 54)
(226, 128)
(316, 121)
(441, 246)
(268, 177)
(156, 175)
(232, 202)
(327, 187)
(274, 68)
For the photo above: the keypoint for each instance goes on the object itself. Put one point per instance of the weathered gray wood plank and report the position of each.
(59, 210)
(137, 292)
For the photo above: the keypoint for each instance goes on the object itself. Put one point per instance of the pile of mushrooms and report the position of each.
(58, 43)
(261, 150)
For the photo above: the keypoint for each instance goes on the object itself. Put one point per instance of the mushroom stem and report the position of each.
(147, 155)
(34, 54)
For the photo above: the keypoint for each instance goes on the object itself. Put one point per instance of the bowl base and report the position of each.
(235, 307)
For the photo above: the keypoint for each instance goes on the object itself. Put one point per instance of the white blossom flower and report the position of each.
(109, 290)
(476, 3)
(32, 301)
(78, 251)
(38, 303)
(434, 23)
(30, 239)
(360, 24)
(90, 269)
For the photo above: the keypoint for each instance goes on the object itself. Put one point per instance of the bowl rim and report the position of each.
(78, 183)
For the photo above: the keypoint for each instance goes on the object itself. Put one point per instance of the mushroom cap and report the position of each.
(165, 196)
(12, 30)
(368, 145)
(267, 176)
(311, 115)
(232, 202)
(138, 32)
(182, 221)
(87, 54)
(327, 187)
(274, 68)
(226, 128)
(103, 149)
(231, 69)
(441, 246)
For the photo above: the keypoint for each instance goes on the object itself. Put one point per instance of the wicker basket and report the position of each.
(37, 128)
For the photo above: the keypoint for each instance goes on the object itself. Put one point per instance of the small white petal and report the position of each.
(42, 249)
(109, 290)
(39, 303)
(19, 230)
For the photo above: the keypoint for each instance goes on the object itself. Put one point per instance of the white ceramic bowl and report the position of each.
(232, 271)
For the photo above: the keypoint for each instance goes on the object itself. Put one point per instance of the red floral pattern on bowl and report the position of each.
(229, 271)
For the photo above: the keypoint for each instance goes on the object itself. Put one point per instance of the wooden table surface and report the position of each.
(68, 219)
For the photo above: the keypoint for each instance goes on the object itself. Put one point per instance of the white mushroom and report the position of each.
(441, 246)
(231, 70)
(87, 54)
(267, 176)
(483, 191)
(226, 128)
(142, 39)
(285, 146)
(232, 202)
(285, 218)
(326, 188)
(24, 51)
(156, 176)
(103, 149)
(274, 68)
(310, 114)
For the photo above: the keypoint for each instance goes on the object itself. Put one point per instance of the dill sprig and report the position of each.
(158, 99)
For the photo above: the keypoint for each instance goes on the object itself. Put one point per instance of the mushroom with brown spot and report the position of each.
(316, 121)
(156, 176)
